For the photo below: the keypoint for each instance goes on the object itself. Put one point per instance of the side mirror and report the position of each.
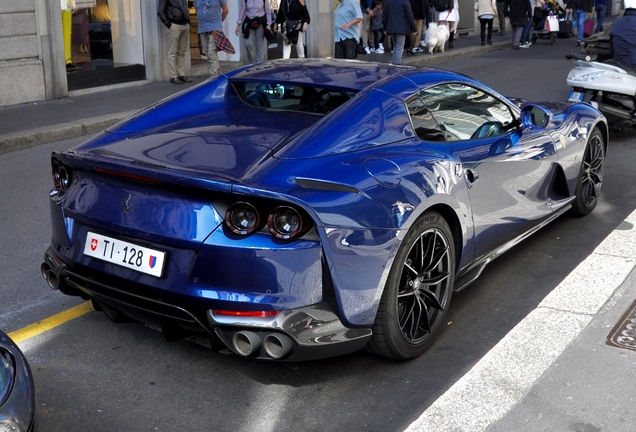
(534, 116)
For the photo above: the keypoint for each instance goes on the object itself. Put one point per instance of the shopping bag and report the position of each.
(552, 23)
(588, 27)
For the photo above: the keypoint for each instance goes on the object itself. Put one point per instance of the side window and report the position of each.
(465, 112)
(424, 124)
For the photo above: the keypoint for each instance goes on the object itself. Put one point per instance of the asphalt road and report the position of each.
(93, 375)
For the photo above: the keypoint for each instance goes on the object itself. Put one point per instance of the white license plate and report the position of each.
(124, 254)
(576, 96)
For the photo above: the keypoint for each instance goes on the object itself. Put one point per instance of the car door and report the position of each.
(508, 169)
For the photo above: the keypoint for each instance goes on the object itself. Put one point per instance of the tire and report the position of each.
(588, 184)
(412, 309)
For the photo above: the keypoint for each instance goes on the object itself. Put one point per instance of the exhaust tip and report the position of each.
(277, 345)
(246, 343)
(44, 269)
(52, 280)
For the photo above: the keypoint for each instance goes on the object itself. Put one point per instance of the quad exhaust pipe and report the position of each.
(276, 345)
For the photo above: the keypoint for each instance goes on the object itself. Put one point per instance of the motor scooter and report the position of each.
(610, 87)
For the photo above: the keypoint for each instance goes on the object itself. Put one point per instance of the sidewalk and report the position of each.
(31, 124)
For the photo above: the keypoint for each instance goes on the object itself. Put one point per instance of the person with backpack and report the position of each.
(252, 19)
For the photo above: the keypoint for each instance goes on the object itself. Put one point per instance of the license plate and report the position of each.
(576, 96)
(125, 254)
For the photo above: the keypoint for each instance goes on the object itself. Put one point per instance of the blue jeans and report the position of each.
(398, 48)
(525, 33)
(578, 20)
(600, 17)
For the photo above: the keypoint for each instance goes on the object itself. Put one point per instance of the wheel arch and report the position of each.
(453, 222)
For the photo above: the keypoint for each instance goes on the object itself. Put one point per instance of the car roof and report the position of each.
(351, 75)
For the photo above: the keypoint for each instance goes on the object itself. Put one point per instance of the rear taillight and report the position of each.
(285, 222)
(242, 218)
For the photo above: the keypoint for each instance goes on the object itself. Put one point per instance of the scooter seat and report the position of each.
(625, 66)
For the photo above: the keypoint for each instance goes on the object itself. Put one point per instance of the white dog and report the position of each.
(435, 37)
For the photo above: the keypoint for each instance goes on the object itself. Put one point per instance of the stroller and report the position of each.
(546, 22)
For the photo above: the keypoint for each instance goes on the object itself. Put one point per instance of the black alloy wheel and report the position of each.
(588, 186)
(418, 291)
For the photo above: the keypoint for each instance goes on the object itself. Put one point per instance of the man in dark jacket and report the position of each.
(518, 12)
(397, 17)
(623, 36)
(175, 16)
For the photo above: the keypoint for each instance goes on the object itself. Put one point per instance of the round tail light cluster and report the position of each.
(284, 222)
(61, 176)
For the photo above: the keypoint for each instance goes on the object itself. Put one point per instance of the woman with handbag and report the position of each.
(486, 12)
(252, 19)
(293, 17)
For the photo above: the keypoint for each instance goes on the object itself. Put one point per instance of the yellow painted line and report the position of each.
(49, 323)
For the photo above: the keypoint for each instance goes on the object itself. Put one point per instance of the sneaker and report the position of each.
(372, 50)
(379, 51)
(579, 42)
(524, 45)
(367, 50)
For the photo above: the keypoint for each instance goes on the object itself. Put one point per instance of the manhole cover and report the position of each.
(624, 334)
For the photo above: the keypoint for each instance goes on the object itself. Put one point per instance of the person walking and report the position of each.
(450, 18)
(600, 6)
(366, 7)
(211, 14)
(377, 28)
(502, 19)
(252, 19)
(293, 17)
(175, 16)
(518, 13)
(486, 13)
(419, 14)
(347, 17)
(398, 21)
(525, 41)
(579, 9)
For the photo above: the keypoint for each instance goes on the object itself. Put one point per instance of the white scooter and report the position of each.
(609, 86)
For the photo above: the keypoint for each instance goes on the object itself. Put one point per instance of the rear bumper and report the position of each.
(308, 333)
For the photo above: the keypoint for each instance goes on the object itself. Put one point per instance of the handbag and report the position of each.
(588, 26)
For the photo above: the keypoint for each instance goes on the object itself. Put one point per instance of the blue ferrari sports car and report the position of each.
(300, 209)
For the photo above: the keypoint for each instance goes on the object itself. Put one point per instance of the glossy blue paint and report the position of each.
(361, 174)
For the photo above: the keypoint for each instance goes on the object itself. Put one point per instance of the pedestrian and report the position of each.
(293, 17)
(398, 21)
(366, 7)
(623, 37)
(255, 16)
(175, 16)
(450, 17)
(377, 28)
(579, 9)
(211, 14)
(486, 13)
(525, 42)
(347, 17)
(419, 14)
(600, 6)
(501, 16)
(518, 13)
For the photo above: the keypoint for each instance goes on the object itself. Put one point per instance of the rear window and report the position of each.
(292, 97)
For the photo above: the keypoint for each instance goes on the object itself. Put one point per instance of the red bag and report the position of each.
(588, 28)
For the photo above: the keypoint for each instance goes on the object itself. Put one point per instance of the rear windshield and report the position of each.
(293, 97)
